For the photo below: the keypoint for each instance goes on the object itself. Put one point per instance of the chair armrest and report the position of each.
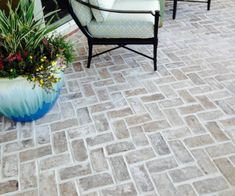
(118, 11)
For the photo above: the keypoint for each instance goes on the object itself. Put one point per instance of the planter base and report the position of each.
(46, 107)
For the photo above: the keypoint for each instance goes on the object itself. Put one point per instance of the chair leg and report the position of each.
(90, 46)
(155, 56)
(175, 9)
(208, 4)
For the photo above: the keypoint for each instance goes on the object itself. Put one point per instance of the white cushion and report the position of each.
(82, 12)
(126, 25)
(99, 15)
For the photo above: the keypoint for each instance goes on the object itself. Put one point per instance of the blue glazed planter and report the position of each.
(21, 101)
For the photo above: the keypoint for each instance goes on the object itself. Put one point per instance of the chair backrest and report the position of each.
(99, 15)
(82, 12)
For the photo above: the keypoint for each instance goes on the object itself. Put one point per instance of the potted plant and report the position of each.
(32, 61)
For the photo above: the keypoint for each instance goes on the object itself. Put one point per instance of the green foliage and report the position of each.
(20, 30)
(66, 48)
(26, 48)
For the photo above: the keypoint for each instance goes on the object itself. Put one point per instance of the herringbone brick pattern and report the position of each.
(121, 129)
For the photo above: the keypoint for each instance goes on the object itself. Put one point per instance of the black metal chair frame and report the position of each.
(120, 42)
(191, 1)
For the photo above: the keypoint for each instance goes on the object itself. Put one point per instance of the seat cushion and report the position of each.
(126, 25)
(99, 15)
(82, 12)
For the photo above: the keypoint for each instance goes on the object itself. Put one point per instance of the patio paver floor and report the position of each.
(118, 128)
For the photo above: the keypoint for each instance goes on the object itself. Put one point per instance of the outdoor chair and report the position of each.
(175, 2)
(117, 22)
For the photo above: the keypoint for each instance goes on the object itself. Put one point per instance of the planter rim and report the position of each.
(22, 77)
(17, 78)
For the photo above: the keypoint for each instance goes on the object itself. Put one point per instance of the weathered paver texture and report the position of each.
(120, 129)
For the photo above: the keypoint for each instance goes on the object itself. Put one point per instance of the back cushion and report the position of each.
(100, 16)
(82, 12)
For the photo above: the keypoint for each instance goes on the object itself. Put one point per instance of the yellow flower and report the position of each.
(53, 63)
(33, 79)
(44, 57)
(11, 70)
(41, 82)
(57, 55)
(42, 60)
(31, 57)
